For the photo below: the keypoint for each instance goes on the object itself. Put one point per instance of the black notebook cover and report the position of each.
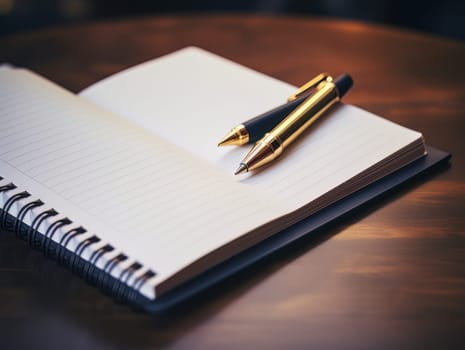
(122, 292)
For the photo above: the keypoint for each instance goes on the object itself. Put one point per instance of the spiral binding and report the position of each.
(87, 269)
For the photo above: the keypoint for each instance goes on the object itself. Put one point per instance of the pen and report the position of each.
(253, 129)
(274, 142)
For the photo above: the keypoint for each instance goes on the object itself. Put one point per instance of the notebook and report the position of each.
(124, 184)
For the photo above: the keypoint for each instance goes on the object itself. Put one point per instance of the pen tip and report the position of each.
(242, 168)
(229, 139)
(238, 136)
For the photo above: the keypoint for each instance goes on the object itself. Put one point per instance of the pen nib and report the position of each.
(229, 139)
(238, 136)
(242, 168)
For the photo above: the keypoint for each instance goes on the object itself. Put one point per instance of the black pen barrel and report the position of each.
(263, 123)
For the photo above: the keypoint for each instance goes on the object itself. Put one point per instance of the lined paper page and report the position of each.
(193, 98)
(340, 146)
(152, 181)
(145, 196)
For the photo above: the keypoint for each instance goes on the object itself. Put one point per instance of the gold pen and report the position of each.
(274, 142)
(253, 129)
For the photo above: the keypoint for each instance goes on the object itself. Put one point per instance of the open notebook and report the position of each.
(125, 184)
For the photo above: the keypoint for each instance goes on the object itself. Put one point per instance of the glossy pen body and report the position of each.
(275, 141)
(253, 129)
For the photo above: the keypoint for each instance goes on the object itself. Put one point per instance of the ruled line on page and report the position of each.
(169, 201)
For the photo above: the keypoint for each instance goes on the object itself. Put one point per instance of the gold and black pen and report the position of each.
(275, 141)
(253, 130)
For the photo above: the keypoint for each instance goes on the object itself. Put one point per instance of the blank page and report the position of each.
(193, 98)
(152, 201)
(149, 178)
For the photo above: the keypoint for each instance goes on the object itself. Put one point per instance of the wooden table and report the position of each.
(391, 276)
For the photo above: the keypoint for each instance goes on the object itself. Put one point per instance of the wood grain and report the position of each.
(390, 276)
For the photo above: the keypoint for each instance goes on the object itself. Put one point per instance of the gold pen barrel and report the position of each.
(306, 114)
(275, 141)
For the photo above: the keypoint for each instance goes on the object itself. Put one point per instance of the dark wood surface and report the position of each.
(391, 276)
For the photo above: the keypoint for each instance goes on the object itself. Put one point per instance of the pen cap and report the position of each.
(343, 83)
